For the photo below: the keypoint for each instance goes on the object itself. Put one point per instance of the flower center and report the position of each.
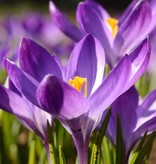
(113, 23)
(78, 83)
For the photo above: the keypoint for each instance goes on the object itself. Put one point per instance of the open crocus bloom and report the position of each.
(116, 36)
(135, 119)
(79, 95)
(27, 113)
(14, 102)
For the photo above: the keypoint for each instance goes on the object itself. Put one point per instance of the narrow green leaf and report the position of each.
(107, 150)
(98, 139)
(120, 157)
(94, 154)
(42, 157)
(142, 142)
(98, 157)
(61, 132)
(133, 157)
(52, 149)
(38, 146)
(32, 153)
(103, 128)
(61, 156)
(139, 147)
(146, 148)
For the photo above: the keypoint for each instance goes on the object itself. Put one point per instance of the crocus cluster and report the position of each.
(80, 93)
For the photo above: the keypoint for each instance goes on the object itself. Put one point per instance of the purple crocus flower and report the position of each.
(27, 113)
(135, 118)
(116, 36)
(33, 118)
(33, 23)
(79, 95)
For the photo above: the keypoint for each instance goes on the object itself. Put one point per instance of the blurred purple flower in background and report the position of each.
(3, 52)
(136, 118)
(37, 26)
(42, 29)
(33, 23)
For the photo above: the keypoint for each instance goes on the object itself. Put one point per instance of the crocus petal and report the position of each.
(127, 11)
(87, 60)
(134, 26)
(91, 22)
(146, 114)
(146, 110)
(151, 26)
(125, 106)
(140, 58)
(60, 99)
(152, 37)
(110, 89)
(146, 122)
(147, 103)
(40, 119)
(64, 24)
(36, 61)
(15, 105)
(22, 81)
(39, 116)
(98, 9)
(13, 88)
(29, 115)
(149, 126)
(153, 6)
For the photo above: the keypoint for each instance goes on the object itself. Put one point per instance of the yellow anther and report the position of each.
(113, 23)
(78, 82)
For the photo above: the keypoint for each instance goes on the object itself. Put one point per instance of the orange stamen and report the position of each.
(78, 82)
(113, 23)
